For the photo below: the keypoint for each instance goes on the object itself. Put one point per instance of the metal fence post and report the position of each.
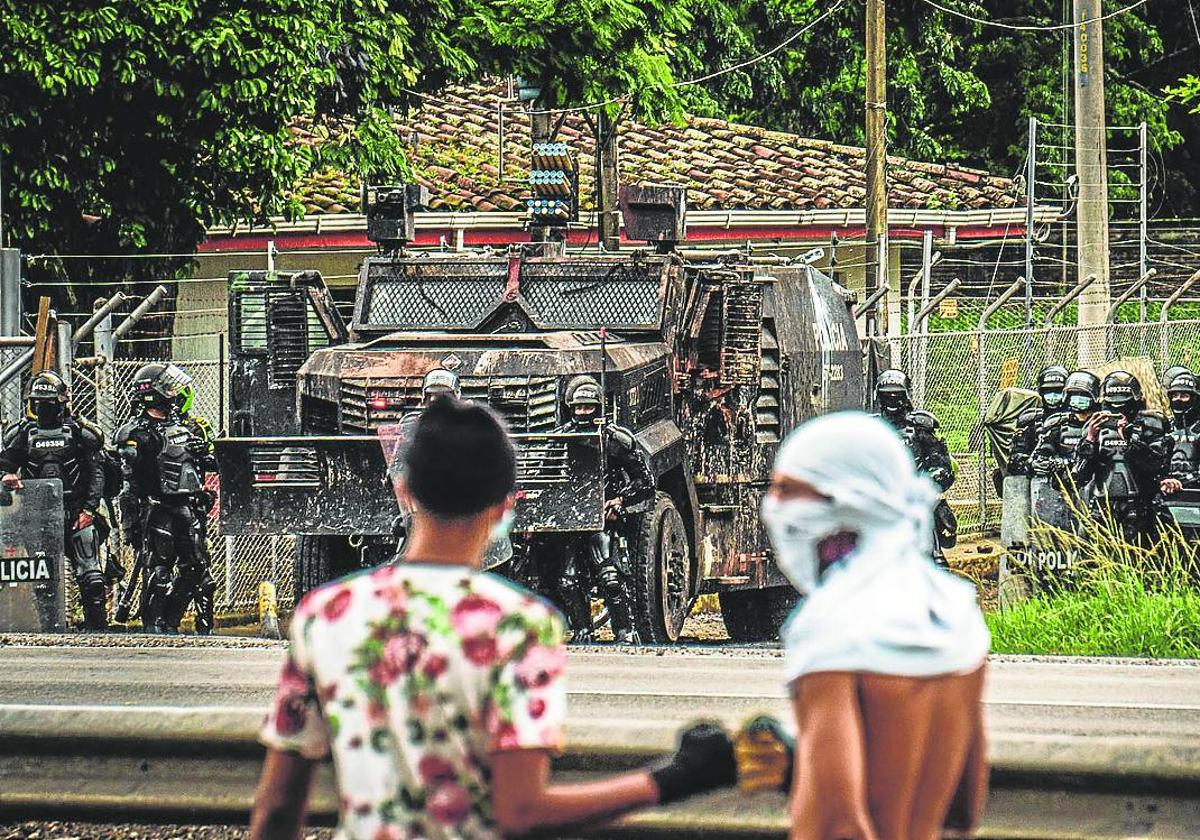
(66, 353)
(1030, 203)
(1164, 343)
(106, 412)
(10, 326)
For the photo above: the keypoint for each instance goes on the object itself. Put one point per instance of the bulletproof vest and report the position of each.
(1116, 481)
(54, 453)
(1069, 436)
(178, 474)
(1185, 446)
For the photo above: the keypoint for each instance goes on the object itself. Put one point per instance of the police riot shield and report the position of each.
(1015, 511)
(1049, 506)
(32, 590)
(1047, 558)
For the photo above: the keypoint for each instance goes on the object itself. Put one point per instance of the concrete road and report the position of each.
(645, 694)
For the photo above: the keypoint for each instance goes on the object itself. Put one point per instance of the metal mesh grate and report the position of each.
(542, 462)
(447, 294)
(608, 293)
(527, 403)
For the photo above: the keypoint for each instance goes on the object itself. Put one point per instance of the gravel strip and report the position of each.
(105, 831)
(132, 640)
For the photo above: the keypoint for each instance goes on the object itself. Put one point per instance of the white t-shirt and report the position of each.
(410, 676)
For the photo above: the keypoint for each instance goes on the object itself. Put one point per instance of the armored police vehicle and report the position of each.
(708, 361)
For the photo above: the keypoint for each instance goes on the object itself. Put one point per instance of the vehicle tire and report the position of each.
(755, 615)
(318, 560)
(660, 558)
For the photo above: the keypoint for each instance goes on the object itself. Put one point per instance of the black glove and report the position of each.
(703, 762)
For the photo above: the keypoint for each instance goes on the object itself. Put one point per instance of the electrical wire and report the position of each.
(1020, 27)
(741, 65)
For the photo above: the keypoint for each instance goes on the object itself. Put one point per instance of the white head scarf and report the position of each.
(884, 608)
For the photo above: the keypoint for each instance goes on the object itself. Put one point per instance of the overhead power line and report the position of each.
(1031, 27)
(741, 65)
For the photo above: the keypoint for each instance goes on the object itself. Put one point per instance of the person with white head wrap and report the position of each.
(885, 653)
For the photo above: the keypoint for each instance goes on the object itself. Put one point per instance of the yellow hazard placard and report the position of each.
(1008, 374)
(948, 308)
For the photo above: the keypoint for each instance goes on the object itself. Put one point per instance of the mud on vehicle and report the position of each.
(708, 361)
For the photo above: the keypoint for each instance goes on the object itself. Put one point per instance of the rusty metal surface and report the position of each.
(708, 361)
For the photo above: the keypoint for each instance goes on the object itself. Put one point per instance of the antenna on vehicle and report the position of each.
(603, 377)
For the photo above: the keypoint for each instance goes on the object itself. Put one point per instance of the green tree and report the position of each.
(131, 125)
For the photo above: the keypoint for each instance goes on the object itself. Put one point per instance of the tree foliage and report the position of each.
(134, 124)
(960, 90)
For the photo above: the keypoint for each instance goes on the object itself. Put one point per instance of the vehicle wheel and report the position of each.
(755, 615)
(319, 560)
(661, 562)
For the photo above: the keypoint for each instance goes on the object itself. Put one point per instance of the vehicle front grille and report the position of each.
(285, 466)
(527, 403)
(542, 461)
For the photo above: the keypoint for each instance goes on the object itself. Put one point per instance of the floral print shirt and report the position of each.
(410, 676)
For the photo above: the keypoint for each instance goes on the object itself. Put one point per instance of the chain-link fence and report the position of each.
(101, 395)
(955, 375)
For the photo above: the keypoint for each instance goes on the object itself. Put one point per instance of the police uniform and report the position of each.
(599, 557)
(1184, 465)
(164, 503)
(1051, 383)
(918, 430)
(1123, 470)
(58, 445)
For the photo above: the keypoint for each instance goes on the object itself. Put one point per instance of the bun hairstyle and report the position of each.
(461, 460)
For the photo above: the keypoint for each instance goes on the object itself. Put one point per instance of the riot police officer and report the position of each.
(1054, 454)
(199, 580)
(1124, 456)
(1183, 390)
(164, 463)
(919, 432)
(1051, 385)
(55, 444)
(629, 485)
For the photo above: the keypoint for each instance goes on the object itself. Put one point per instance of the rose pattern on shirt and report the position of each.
(422, 673)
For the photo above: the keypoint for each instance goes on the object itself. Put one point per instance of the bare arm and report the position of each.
(523, 798)
(829, 791)
(282, 796)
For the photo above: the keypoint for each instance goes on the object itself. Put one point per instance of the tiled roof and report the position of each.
(456, 146)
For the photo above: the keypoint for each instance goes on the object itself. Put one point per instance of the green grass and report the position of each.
(1124, 619)
(1125, 601)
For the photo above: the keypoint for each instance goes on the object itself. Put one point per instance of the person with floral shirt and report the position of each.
(438, 691)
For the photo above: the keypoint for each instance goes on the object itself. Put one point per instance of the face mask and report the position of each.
(503, 528)
(892, 404)
(1052, 399)
(1079, 402)
(799, 532)
(48, 413)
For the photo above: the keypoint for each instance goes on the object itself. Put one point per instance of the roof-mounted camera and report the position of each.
(391, 213)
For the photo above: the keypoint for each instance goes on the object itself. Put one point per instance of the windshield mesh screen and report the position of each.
(442, 294)
(584, 294)
(560, 294)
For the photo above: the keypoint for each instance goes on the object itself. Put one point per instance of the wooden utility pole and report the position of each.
(1091, 167)
(608, 219)
(876, 157)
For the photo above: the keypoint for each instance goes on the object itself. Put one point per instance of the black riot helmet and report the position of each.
(1051, 383)
(1171, 372)
(1082, 391)
(159, 386)
(1183, 390)
(48, 399)
(1122, 393)
(892, 393)
(584, 400)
